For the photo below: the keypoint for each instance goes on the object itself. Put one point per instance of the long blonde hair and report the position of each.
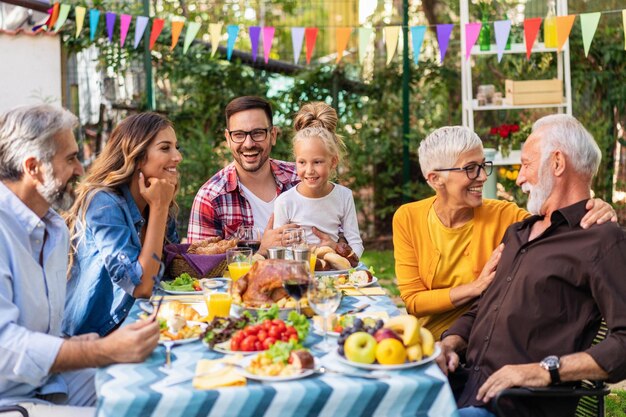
(318, 119)
(114, 167)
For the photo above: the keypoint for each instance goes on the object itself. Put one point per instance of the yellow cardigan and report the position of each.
(416, 258)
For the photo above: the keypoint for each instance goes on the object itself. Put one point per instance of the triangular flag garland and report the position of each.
(233, 32)
(588, 25)
(502, 29)
(140, 28)
(192, 30)
(177, 27)
(297, 38)
(563, 28)
(443, 37)
(472, 30)
(531, 29)
(58, 15)
(391, 41)
(79, 11)
(417, 38)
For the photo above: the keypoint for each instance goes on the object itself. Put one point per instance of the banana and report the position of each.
(414, 353)
(428, 342)
(407, 327)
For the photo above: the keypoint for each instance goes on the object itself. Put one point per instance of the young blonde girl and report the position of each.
(317, 203)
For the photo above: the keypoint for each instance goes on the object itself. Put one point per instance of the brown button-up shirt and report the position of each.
(548, 298)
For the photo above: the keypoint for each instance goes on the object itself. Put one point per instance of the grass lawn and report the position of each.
(383, 264)
(616, 403)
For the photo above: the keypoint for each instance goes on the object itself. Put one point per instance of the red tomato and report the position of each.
(262, 335)
(258, 345)
(293, 337)
(338, 328)
(284, 337)
(291, 330)
(274, 332)
(235, 345)
(280, 324)
(267, 324)
(238, 336)
(268, 342)
(253, 329)
(248, 344)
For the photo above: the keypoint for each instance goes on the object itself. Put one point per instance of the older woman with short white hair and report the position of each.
(446, 247)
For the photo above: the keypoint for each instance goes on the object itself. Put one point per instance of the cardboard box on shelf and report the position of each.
(534, 92)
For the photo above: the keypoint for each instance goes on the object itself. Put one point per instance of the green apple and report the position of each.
(360, 347)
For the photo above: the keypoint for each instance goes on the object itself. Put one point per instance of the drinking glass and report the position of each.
(217, 296)
(296, 280)
(249, 237)
(324, 299)
(239, 262)
(292, 238)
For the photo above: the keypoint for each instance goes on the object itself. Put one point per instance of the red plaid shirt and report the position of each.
(219, 207)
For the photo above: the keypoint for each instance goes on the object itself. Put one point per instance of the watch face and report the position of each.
(551, 362)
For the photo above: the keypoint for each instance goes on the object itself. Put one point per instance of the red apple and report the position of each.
(383, 333)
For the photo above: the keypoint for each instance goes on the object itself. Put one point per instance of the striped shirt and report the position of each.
(220, 207)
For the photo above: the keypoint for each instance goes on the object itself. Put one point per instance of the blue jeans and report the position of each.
(475, 412)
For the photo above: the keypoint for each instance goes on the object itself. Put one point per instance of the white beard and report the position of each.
(58, 195)
(539, 193)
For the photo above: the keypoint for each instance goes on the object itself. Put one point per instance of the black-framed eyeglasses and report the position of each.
(472, 170)
(257, 135)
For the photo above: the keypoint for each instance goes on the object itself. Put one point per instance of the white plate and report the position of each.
(224, 347)
(373, 281)
(264, 378)
(174, 292)
(188, 340)
(361, 265)
(377, 367)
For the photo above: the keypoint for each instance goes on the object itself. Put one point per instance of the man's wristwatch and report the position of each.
(552, 364)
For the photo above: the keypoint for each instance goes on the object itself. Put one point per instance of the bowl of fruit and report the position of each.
(398, 343)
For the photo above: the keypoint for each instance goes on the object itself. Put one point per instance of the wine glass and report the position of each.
(296, 280)
(249, 237)
(324, 298)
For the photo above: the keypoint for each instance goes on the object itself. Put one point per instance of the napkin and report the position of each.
(228, 376)
(364, 291)
(201, 263)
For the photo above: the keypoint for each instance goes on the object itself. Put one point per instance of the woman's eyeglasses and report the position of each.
(257, 135)
(472, 170)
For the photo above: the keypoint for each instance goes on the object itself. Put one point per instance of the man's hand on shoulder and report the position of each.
(528, 375)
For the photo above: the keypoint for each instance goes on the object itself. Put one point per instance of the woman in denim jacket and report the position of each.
(123, 214)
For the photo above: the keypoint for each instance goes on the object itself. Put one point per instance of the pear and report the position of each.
(428, 342)
(407, 327)
(414, 353)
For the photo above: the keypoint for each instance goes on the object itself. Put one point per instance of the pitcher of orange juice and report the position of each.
(217, 296)
(239, 262)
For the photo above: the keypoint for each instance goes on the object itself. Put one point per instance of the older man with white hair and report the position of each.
(555, 282)
(39, 370)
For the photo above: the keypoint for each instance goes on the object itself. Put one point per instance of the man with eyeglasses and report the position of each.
(446, 247)
(243, 193)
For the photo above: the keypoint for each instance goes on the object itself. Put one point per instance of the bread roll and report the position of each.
(172, 308)
(346, 251)
(323, 250)
(337, 262)
(321, 265)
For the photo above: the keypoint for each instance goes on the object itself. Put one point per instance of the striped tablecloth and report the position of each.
(133, 390)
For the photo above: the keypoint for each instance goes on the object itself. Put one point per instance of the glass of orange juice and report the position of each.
(239, 262)
(217, 296)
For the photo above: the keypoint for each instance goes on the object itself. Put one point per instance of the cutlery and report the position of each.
(357, 289)
(324, 370)
(357, 309)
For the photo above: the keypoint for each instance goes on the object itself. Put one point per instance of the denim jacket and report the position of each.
(106, 267)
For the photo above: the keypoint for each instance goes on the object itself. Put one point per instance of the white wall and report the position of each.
(30, 70)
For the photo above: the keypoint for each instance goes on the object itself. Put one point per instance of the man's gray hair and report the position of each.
(565, 133)
(28, 131)
(442, 148)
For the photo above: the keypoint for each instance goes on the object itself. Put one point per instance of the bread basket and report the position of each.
(178, 261)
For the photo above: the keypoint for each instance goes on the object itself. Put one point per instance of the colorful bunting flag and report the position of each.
(310, 36)
(177, 27)
(365, 34)
(391, 41)
(342, 36)
(94, 18)
(297, 38)
(233, 31)
(79, 11)
(215, 32)
(110, 19)
(157, 27)
(255, 32)
(417, 38)
(125, 20)
(531, 29)
(192, 30)
(472, 30)
(64, 11)
(54, 15)
(563, 27)
(589, 24)
(268, 37)
(502, 29)
(140, 28)
(443, 37)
